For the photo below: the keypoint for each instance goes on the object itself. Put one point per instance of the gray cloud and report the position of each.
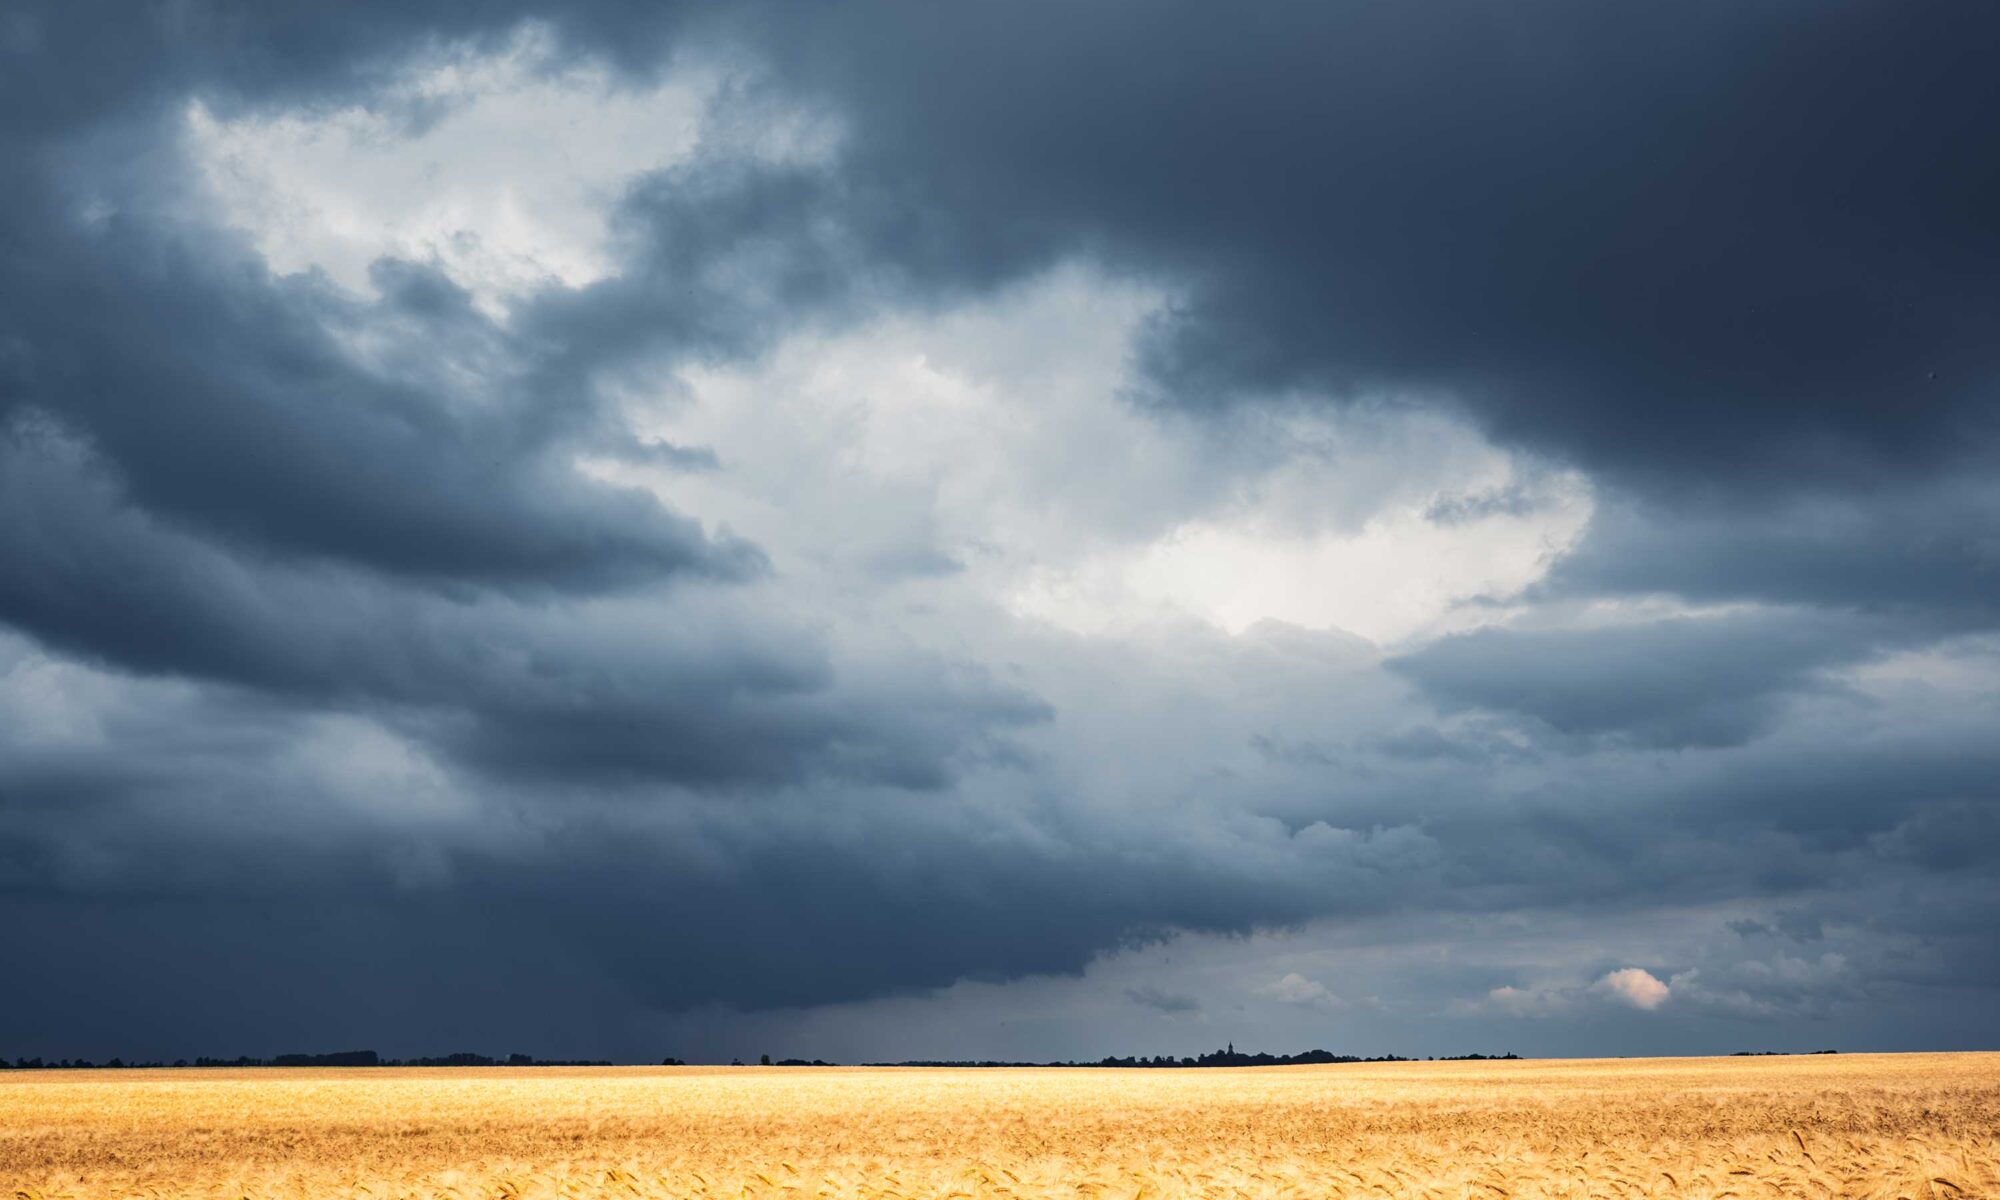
(1924, 552)
(685, 687)
(222, 398)
(1172, 1004)
(1676, 682)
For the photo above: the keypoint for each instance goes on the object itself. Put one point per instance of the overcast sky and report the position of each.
(1016, 530)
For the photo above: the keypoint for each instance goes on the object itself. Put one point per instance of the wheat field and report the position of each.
(1916, 1126)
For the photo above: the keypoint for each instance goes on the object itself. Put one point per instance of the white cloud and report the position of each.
(1385, 581)
(1630, 986)
(1295, 988)
(999, 437)
(500, 168)
(1635, 987)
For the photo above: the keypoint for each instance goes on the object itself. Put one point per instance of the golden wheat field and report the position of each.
(1916, 1126)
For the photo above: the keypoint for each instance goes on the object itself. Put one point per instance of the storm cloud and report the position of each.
(974, 531)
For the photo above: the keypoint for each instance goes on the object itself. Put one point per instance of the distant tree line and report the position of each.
(1228, 1057)
(340, 1058)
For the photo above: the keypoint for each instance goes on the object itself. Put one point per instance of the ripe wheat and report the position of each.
(1915, 1126)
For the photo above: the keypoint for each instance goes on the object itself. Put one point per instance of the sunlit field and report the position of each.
(1917, 1126)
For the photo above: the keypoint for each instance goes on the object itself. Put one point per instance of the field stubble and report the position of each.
(1917, 1126)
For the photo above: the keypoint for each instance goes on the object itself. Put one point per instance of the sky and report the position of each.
(882, 531)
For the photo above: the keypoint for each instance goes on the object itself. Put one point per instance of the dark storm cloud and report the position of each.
(207, 479)
(1736, 263)
(1739, 261)
(203, 480)
(1677, 682)
(1927, 553)
(834, 895)
(807, 901)
(223, 400)
(1753, 246)
(1747, 245)
(74, 64)
(682, 688)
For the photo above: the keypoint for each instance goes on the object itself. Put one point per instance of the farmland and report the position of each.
(1917, 1126)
